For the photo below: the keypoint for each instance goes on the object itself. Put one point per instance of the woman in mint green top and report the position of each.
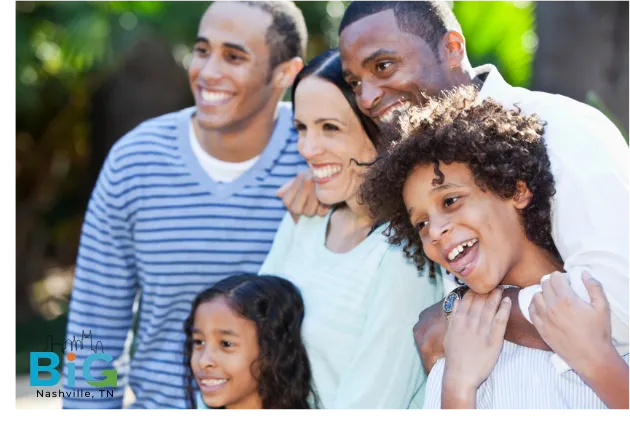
(362, 295)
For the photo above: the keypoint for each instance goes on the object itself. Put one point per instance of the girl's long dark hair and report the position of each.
(276, 307)
(328, 67)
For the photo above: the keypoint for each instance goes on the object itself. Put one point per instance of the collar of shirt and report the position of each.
(494, 86)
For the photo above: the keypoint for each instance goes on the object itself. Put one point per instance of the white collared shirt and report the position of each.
(590, 210)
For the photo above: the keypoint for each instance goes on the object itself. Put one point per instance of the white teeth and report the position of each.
(459, 249)
(327, 171)
(387, 117)
(453, 254)
(212, 382)
(213, 96)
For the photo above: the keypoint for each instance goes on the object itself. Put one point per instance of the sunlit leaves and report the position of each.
(501, 33)
(139, 7)
(86, 42)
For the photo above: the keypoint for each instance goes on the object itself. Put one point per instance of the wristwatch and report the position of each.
(449, 302)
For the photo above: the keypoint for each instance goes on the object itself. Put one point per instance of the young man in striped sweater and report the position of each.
(186, 199)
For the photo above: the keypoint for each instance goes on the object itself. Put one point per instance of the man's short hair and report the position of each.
(287, 34)
(429, 20)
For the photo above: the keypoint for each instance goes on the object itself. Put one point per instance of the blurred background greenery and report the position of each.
(87, 72)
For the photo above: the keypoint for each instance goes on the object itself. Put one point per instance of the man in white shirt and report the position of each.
(395, 53)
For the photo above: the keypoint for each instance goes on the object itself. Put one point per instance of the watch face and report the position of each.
(449, 302)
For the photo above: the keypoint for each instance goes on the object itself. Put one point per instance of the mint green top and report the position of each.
(360, 309)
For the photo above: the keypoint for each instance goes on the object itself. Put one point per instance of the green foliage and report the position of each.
(33, 335)
(501, 33)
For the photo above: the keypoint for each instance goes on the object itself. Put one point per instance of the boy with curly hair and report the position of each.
(469, 187)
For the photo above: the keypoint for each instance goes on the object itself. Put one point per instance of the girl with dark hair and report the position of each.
(244, 347)
(362, 296)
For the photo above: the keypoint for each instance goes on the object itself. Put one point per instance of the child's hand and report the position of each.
(576, 330)
(474, 338)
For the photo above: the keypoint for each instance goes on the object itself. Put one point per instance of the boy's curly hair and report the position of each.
(499, 146)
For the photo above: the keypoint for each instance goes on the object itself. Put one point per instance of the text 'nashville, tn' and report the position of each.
(75, 394)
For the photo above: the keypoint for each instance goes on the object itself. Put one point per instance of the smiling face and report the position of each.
(387, 68)
(476, 235)
(330, 135)
(225, 346)
(229, 73)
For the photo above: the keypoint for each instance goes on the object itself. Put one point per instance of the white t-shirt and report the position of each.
(219, 171)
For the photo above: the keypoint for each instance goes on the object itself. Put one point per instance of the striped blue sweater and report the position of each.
(159, 227)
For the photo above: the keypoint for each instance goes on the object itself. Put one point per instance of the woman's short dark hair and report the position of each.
(276, 307)
(328, 67)
(499, 146)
